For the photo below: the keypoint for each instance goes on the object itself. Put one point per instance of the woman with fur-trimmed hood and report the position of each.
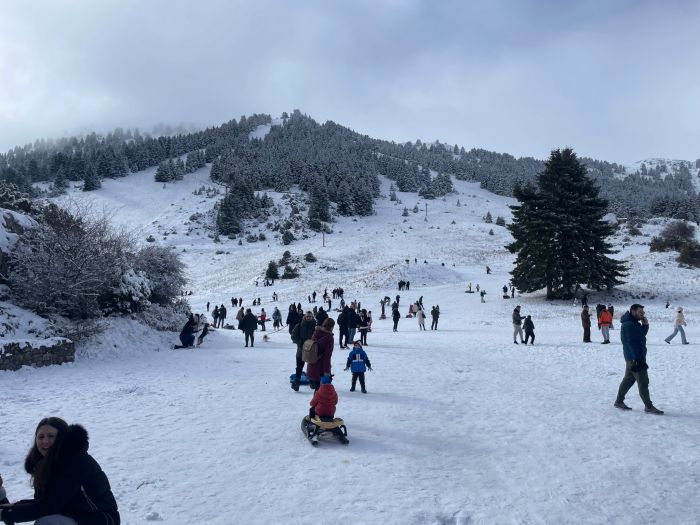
(69, 485)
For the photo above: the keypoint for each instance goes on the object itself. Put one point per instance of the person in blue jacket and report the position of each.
(634, 346)
(358, 363)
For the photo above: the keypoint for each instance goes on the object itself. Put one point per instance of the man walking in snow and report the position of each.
(222, 315)
(634, 328)
(517, 322)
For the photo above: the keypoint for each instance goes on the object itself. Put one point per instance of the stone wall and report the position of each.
(14, 354)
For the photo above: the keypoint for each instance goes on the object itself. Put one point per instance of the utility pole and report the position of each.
(426, 211)
(324, 238)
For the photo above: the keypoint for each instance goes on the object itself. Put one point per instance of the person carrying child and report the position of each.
(323, 405)
(358, 363)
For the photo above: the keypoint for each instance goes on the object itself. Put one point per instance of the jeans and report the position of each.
(606, 333)
(517, 330)
(434, 324)
(351, 334)
(677, 329)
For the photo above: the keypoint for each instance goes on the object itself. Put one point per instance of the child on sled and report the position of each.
(323, 405)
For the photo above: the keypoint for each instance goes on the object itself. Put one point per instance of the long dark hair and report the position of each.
(40, 467)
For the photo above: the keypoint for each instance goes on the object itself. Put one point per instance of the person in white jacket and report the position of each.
(678, 327)
(420, 315)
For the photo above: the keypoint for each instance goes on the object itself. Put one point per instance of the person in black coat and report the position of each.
(67, 481)
(321, 316)
(302, 331)
(248, 324)
(187, 334)
(293, 318)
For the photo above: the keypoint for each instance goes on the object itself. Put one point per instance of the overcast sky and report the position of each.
(615, 79)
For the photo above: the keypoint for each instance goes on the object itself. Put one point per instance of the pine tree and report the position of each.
(228, 220)
(488, 219)
(272, 271)
(362, 200)
(91, 181)
(163, 173)
(319, 203)
(560, 237)
(344, 200)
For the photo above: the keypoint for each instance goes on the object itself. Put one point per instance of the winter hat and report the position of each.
(679, 309)
(326, 380)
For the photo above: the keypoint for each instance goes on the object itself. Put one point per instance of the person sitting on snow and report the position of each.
(323, 405)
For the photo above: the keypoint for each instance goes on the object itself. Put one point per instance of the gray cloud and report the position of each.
(615, 80)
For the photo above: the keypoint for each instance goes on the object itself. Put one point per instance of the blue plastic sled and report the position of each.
(303, 381)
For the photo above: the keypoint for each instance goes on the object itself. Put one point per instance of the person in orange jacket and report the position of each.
(605, 320)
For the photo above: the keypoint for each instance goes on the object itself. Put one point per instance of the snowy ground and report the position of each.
(459, 425)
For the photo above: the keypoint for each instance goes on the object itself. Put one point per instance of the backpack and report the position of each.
(309, 351)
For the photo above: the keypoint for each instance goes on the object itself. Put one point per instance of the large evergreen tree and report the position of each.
(560, 235)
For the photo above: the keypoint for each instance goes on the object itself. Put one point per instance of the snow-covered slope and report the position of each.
(459, 425)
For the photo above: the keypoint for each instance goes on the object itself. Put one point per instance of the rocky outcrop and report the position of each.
(12, 225)
(14, 354)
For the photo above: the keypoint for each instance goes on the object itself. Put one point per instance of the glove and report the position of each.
(369, 368)
(346, 368)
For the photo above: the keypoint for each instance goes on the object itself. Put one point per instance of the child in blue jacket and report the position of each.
(358, 363)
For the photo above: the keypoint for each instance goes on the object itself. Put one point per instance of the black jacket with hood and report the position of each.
(77, 488)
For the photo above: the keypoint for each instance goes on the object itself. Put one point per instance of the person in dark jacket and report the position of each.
(363, 326)
(358, 363)
(187, 333)
(321, 316)
(302, 331)
(204, 333)
(3, 494)
(343, 322)
(222, 316)
(395, 315)
(435, 314)
(324, 337)
(634, 328)
(586, 323)
(529, 328)
(292, 318)
(248, 324)
(69, 486)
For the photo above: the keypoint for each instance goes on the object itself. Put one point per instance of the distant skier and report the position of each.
(517, 325)
(207, 306)
(435, 314)
(482, 293)
(358, 363)
(678, 325)
(529, 328)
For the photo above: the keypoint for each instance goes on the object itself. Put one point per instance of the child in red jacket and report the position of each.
(323, 405)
